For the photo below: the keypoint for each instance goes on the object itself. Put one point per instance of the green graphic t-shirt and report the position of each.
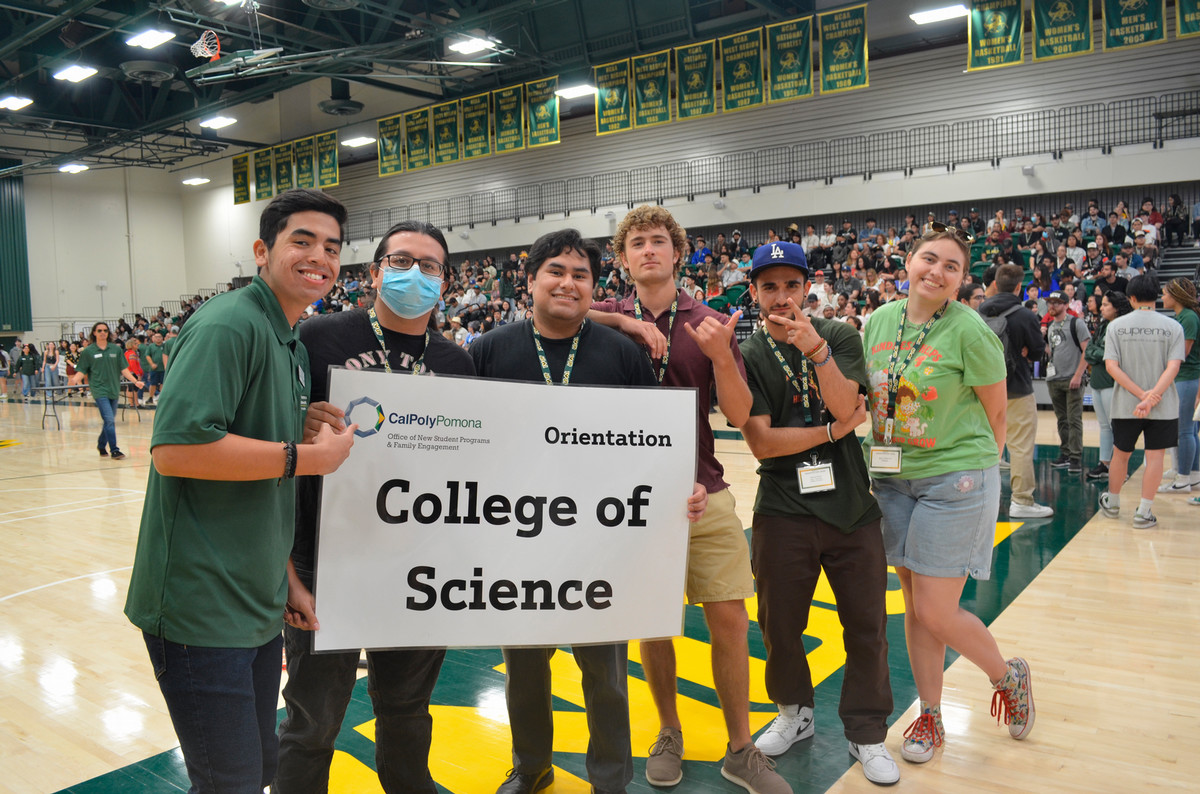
(940, 424)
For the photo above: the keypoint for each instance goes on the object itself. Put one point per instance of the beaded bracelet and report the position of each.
(289, 460)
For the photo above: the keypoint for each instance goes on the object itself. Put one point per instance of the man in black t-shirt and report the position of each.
(408, 275)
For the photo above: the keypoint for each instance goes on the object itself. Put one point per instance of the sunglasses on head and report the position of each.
(937, 227)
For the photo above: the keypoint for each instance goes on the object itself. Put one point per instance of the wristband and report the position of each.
(829, 431)
(816, 349)
(826, 360)
(289, 460)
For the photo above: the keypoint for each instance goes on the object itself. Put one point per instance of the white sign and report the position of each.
(486, 513)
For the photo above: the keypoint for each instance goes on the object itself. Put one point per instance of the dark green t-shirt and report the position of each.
(210, 567)
(168, 346)
(851, 504)
(152, 352)
(103, 369)
(1190, 368)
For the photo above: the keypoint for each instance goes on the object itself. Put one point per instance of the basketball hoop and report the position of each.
(207, 46)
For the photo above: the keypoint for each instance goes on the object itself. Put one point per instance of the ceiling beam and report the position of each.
(42, 28)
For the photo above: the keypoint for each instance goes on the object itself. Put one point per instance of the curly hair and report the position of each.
(649, 216)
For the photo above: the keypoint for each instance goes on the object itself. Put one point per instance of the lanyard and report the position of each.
(566, 376)
(637, 312)
(801, 385)
(416, 368)
(895, 368)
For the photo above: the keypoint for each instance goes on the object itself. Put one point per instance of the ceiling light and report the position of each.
(231, 2)
(218, 122)
(72, 168)
(13, 102)
(149, 39)
(471, 46)
(361, 140)
(939, 14)
(74, 73)
(197, 180)
(571, 92)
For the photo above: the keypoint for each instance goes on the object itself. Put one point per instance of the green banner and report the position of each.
(283, 167)
(416, 137)
(844, 49)
(446, 146)
(651, 89)
(508, 105)
(995, 34)
(390, 145)
(327, 159)
(264, 175)
(696, 87)
(476, 122)
(304, 153)
(1134, 23)
(1187, 18)
(612, 98)
(742, 70)
(789, 60)
(1061, 28)
(542, 107)
(241, 179)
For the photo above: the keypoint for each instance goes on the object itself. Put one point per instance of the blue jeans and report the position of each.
(1187, 454)
(1102, 402)
(28, 384)
(108, 433)
(222, 704)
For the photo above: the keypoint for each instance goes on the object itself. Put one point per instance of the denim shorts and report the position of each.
(943, 525)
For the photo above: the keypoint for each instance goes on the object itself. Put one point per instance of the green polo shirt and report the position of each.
(152, 352)
(168, 345)
(103, 369)
(210, 566)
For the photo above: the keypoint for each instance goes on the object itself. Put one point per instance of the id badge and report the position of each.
(815, 477)
(885, 460)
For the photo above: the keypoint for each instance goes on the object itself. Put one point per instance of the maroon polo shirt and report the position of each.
(688, 366)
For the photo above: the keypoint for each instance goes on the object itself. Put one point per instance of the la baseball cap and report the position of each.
(777, 254)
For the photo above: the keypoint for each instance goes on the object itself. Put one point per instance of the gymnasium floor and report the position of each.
(1108, 616)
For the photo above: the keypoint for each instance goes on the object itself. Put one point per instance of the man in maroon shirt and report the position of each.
(692, 345)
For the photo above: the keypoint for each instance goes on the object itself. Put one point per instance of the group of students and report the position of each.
(244, 421)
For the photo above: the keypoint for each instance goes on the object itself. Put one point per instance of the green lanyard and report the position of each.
(637, 312)
(801, 385)
(416, 368)
(537, 341)
(894, 371)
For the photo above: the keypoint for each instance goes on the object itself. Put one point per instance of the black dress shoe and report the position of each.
(520, 783)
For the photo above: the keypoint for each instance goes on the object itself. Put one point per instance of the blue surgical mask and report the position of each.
(410, 293)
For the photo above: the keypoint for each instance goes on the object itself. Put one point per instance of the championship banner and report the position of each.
(264, 175)
(789, 60)
(1061, 28)
(327, 160)
(416, 136)
(612, 98)
(476, 121)
(508, 105)
(390, 145)
(304, 152)
(446, 146)
(844, 50)
(541, 103)
(696, 80)
(430, 535)
(1187, 18)
(995, 34)
(651, 89)
(1133, 23)
(283, 167)
(241, 179)
(742, 70)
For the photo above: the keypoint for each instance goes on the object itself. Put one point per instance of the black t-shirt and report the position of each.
(346, 339)
(605, 357)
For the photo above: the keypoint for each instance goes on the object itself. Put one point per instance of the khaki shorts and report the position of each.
(718, 554)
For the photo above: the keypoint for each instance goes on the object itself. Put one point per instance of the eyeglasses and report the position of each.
(102, 330)
(430, 267)
(937, 227)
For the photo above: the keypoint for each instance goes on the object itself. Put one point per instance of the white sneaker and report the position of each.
(1169, 475)
(877, 763)
(1035, 510)
(793, 724)
(1178, 485)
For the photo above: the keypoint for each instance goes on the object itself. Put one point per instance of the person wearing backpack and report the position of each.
(1023, 344)
(1067, 337)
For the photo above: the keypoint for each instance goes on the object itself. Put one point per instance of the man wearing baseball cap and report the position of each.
(1067, 337)
(814, 510)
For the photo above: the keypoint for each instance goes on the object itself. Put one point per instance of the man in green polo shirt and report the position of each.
(152, 365)
(209, 581)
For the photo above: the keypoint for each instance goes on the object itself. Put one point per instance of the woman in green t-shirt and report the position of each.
(938, 406)
(1179, 296)
(1113, 304)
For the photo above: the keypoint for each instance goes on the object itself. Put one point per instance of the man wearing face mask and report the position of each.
(408, 275)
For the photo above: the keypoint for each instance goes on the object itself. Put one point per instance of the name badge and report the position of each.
(885, 460)
(815, 477)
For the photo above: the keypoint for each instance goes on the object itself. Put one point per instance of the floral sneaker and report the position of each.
(1013, 699)
(925, 734)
